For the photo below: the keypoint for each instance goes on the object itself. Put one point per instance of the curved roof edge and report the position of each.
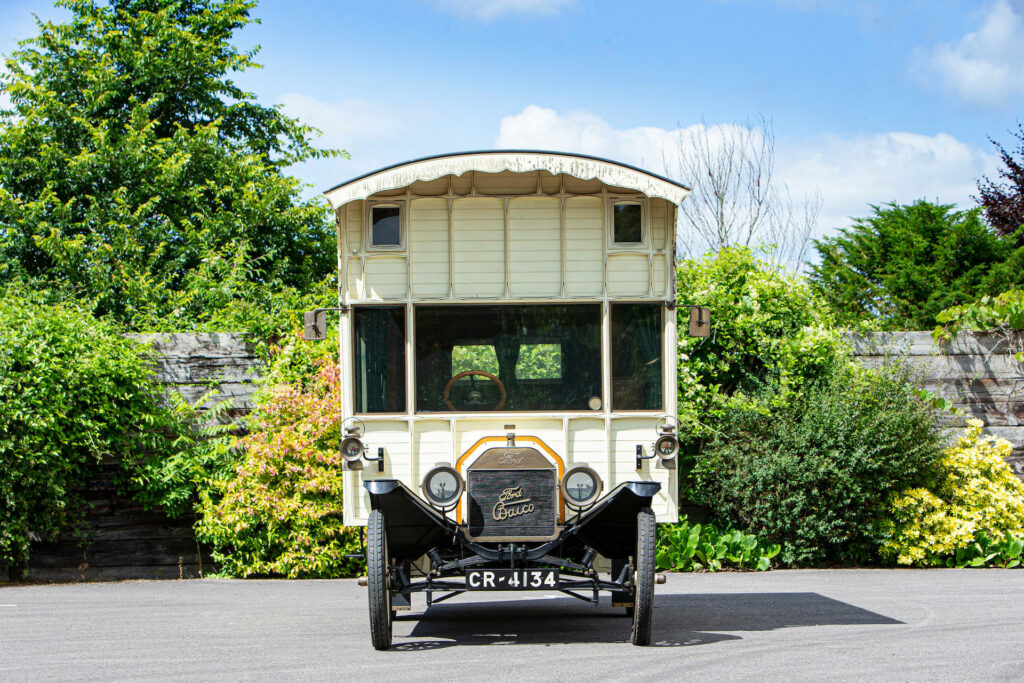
(580, 166)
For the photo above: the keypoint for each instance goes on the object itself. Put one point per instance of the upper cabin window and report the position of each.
(385, 226)
(626, 223)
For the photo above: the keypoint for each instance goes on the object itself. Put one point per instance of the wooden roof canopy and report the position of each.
(579, 166)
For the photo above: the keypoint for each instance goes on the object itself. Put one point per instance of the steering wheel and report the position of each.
(471, 373)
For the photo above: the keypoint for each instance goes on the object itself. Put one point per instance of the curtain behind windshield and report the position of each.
(636, 357)
(380, 359)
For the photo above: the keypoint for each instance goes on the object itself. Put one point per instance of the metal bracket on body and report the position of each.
(640, 457)
(379, 459)
(314, 323)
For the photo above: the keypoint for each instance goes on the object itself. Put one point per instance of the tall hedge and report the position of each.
(73, 391)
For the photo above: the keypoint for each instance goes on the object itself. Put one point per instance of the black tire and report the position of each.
(643, 591)
(377, 581)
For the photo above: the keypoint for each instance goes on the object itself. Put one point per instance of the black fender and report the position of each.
(413, 526)
(610, 526)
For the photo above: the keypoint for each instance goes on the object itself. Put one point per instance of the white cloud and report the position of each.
(485, 10)
(849, 172)
(986, 66)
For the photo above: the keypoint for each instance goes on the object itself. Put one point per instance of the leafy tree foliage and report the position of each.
(770, 328)
(129, 158)
(1004, 202)
(904, 264)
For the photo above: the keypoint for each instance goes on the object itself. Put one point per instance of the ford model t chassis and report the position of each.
(507, 339)
(515, 496)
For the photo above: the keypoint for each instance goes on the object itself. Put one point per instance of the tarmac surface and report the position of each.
(779, 625)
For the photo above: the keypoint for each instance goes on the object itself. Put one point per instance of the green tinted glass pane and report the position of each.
(627, 224)
(636, 357)
(479, 357)
(380, 359)
(539, 361)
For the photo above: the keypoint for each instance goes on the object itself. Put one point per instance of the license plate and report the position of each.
(511, 579)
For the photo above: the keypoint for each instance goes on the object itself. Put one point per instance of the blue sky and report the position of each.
(871, 101)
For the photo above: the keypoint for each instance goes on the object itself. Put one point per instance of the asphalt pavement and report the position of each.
(780, 625)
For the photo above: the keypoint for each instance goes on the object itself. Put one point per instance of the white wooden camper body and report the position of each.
(499, 228)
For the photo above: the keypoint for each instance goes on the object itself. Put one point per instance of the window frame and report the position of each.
(413, 359)
(353, 362)
(368, 225)
(643, 244)
(663, 313)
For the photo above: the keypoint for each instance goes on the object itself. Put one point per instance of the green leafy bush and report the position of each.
(1002, 315)
(280, 511)
(770, 328)
(973, 513)
(816, 472)
(73, 391)
(686, 547)
(201, 451)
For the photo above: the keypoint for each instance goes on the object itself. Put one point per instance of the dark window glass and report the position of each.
(627, 224)
(636, 357)
(546, 357)
(385, 226)
(380, 359)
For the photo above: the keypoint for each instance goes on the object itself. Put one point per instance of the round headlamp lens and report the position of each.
(581, 486)
(442, 486)
(351, 448)
(666, 447)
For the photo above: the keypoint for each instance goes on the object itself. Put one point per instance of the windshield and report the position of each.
(509, 358)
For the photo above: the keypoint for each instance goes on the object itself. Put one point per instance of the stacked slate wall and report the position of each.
(121, 539)
(977, 373)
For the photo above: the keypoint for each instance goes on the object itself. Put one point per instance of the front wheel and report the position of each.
(377, 583)
(643, 583)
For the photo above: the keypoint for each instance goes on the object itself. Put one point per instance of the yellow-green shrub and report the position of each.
(976, 496)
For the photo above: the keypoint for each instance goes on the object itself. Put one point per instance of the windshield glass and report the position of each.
(509, 358)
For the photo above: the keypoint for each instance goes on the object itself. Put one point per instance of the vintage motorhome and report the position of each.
(508, 350)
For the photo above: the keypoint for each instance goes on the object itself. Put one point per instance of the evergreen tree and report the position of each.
(905, 263)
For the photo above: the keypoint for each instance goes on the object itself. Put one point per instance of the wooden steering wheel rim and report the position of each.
(467, 373)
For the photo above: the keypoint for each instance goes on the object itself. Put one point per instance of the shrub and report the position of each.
(1002, 315)
(280, 511)
(73, 391)
(769, 328)
(686, 547)
(815, 473)
(974, 513)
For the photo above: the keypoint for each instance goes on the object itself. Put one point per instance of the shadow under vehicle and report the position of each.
(508, 347)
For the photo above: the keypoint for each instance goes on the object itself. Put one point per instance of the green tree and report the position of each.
(129, 157)
(904, 264)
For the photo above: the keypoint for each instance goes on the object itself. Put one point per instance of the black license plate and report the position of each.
(511, 579)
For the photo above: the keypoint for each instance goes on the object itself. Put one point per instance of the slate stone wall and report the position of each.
(122, 540)
(977, 373)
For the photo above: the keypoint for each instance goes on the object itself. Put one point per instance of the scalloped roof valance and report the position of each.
(518, 161)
